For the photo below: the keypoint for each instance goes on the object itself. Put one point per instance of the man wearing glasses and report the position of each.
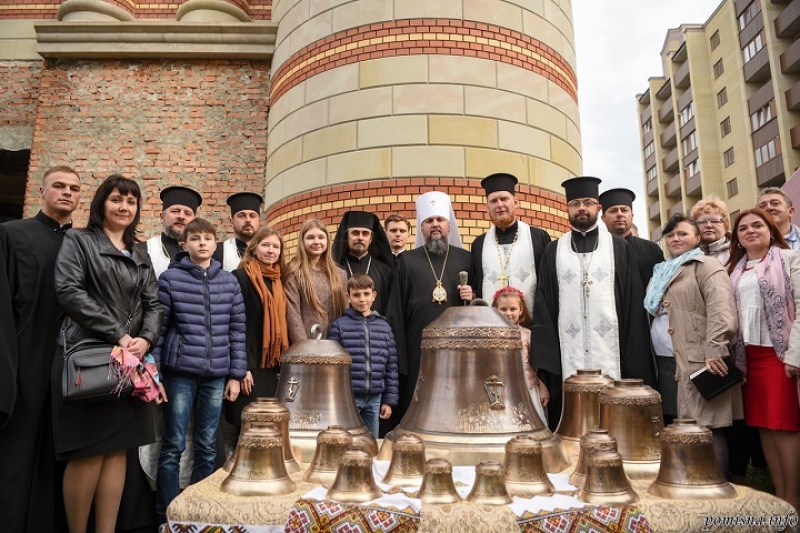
(588, 311)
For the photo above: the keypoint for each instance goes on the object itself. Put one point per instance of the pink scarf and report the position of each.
(777, 299)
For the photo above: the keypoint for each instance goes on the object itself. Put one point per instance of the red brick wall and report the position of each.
(19, 92)
(198, 123)
(29, 9)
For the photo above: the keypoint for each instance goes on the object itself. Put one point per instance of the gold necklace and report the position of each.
(439, 292)
(503, 278)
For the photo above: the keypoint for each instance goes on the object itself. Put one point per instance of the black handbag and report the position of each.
(87, 375)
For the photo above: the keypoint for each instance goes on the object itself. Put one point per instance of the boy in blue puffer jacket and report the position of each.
(201, 347)
(368, 338)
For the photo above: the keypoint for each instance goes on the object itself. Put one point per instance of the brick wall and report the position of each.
(19, 92)
(198, 123)
(29, 9)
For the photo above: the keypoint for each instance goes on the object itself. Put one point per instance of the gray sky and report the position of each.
(618, 46)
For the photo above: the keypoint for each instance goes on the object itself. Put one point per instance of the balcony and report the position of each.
(646, 114)
(751, 30)
(652, 187)
(655, 235)
(739, 5)
(688, 128)
(787, 25)
(655, 211)
(682, 78)
(668, 137)
(693, 187)
(673, 186)
(648, 137)
(766, 133)
(790, 59)
(675, 209)
(757, 69)
(794, 134)
(670, 162)
(771, 173)
(666, 113)
(760, 98)
(793, 97)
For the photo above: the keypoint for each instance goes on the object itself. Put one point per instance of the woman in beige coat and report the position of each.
(691, 300)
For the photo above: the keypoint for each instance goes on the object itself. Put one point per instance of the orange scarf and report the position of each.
(276, 336)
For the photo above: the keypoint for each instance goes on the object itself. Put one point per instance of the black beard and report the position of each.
(583, 225)
(436, 245)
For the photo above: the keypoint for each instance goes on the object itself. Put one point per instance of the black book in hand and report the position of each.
(711, 385)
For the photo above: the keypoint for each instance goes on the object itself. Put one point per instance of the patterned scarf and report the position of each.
(276, 336)
(777, 300)
(662, 273)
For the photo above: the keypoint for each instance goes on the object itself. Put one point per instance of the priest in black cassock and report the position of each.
(246, 221)
(178, 208)
(428, 284)
(30, 497)
(361, 246)
(511, 251)
(617, 205)
(587, 313)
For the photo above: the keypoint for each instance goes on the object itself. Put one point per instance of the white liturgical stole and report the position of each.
(519, 268)
(230, 255)
(158, 257)
(588, 325)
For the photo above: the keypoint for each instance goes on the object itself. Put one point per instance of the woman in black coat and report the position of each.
(107, 289)
(259, 275)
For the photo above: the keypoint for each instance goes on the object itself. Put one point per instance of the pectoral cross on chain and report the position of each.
(503, 279)
(587, 286)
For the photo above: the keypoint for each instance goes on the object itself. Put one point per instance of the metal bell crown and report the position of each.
(408, 462)
(581, 411)
(490, 486)
(437, 483)
(268, 410)
(525, 473)
(331, 445)
(354, 482)
(606, 482)
(593, 441)
(259, 469)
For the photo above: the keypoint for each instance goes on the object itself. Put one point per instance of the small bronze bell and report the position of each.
(259, 469)
(689, 469)
(331, 445)
(525, 473)
(581, 412)
(408, 462)
(268, 410)
(354, 482)
(594, 440)
(631, 412)
(490, 486)
(437, 483)
(606, 482)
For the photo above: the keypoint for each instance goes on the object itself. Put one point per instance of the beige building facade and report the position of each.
(723, 117)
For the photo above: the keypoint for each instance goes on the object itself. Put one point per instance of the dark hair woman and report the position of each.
(108, 291)
(694, 318)
(765, 276)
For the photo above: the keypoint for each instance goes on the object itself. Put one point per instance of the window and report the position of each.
(692, 168)
(714, 40)
(719, 68)
(762, 116)
(722, 97)
(649, 150)
(725, 126)
(747, 15)
(647, 126)
(753, 47)
(689, 144)
(766, 153)
(728, 157)
(733, 188)
(686, 114)
(652, 173)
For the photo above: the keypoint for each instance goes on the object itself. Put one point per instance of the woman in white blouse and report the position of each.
(766, 281)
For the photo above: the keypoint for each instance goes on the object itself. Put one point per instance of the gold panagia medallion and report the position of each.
(439, 293)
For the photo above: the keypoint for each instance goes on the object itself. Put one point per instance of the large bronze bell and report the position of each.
(437, 483)
(408, 462)
(490, 486)
(471, 395)
(259, 469)
(331, 445)
(689, 469)
(606, 482)
(315, 386)
(631, 412)
(268, 410)
(595, 440)
(525, 473)
(581, 411)
(354, 481)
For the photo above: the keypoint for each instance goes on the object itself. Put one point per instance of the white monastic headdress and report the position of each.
(436, 204)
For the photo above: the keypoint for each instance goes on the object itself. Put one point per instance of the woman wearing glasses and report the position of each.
(711, 216)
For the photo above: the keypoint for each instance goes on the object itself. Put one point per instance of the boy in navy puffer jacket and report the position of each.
(368, 338)
(202, 345)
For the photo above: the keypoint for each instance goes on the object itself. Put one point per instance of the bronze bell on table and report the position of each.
(525, 473)
(331, 445)
(268, 410)
(595, 440)
(259, 469)
(631, 412)
(689, 469)
(490, 486)
(408, 462)
(471, 396)
(315, 386)
(354, 481)
(606, 482)
(437, 483)
(581, 411)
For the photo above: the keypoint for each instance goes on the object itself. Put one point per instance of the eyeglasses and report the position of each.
(584, 203)
(705, 221)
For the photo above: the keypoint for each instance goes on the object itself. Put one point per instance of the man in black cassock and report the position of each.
(178, 208)
(617, 205)
(361, 246)
(581, 338)
(30, 497)
(246, 221)
(503, 256)
(428, 284)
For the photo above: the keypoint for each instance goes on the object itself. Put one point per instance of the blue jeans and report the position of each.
(369, 407)
(186, 394)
